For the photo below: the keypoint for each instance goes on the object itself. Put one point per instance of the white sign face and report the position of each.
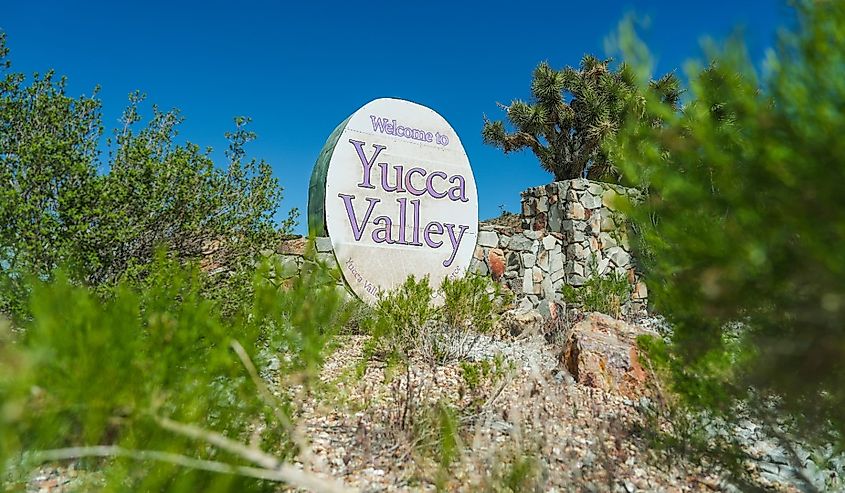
(400, 198)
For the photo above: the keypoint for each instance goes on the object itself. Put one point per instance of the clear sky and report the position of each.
(300, 69)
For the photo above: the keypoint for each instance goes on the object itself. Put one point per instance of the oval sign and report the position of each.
(394, 191)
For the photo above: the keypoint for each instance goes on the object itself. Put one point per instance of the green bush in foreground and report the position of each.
(157, 370)
(745, 222)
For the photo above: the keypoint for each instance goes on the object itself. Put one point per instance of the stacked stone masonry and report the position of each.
(570, 231)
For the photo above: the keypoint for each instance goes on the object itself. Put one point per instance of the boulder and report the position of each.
(601, 352)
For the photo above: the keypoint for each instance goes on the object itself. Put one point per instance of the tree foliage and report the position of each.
(56, 208)
(743, 227)
(573, 112)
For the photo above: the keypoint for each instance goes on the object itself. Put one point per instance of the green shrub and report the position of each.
(744, 222)
(60, 204)
(401, 316)
(410, 321)
(155, 368)
(600, 293)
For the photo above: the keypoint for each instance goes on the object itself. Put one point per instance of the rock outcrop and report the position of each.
(601, 352)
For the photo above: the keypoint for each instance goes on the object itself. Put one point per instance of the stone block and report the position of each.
(618, 256)
(602, 266)
(327, 258)
(578, 184)
(293, 246)
(555, 261)
(576, 280)
(573, 267)
(528, 281)
(549, 242)
(610, 199)
(576, 252)
(323, 244)
(520, 243)
(504, 241)
(514, 263)
(596, 189)
(528, 260)
(542, 204)
(594, 224)
(590, 201)
(289, 265)
(554, 217)
(539, 222)
(606, 241)
(488, 239)
(548, 290)
(576, 211)
(640, 291)
(543, 260)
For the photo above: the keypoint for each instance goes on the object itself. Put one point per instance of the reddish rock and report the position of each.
(496, 261)
(602, 353)
(540, 221)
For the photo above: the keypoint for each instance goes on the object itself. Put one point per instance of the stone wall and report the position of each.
(570, 230)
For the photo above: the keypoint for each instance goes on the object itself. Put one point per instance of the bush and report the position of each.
(401, 317)
(58, 208)
(743, 218)
(600, 293)
(408, 321)
(156, 370)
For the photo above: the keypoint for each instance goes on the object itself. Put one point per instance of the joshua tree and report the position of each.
(572, 113)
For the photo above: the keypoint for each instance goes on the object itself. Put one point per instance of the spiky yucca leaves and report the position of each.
(572, 113)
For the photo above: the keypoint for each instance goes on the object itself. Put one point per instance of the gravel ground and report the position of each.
(583, 439)
(369, 428)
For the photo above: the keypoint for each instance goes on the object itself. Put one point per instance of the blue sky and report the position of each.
(300, 70)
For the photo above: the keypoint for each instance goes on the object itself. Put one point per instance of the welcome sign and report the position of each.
(394, 191)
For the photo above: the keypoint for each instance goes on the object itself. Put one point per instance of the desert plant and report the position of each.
(401, 316)
(408, 321)
(572, 115)
(515, 470)
(469, 311)
(57, 208)
(156, 381)
(604, 293)
(743, 216)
